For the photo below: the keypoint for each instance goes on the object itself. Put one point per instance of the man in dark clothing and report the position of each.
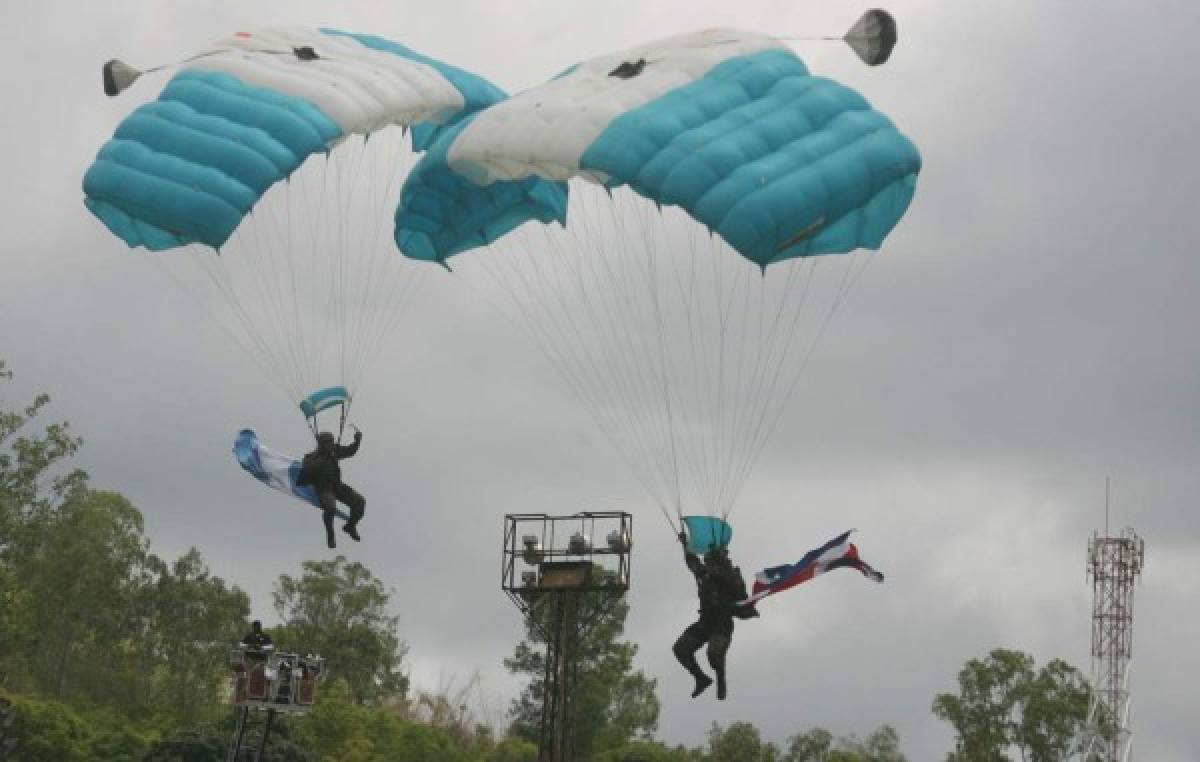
(720, 586)
(321, 470)
(256, 638)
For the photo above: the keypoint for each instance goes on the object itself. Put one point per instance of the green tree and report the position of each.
(31, 484)
(339, 609)
(612, 702)
(1005, 703)
(29, 481)
(45, 730)
(651, 751)
(80, 590)
(740, 742)
(513, 749)
(194, 619)
(812, 746)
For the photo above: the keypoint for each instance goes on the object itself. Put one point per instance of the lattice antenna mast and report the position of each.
(1114, 565)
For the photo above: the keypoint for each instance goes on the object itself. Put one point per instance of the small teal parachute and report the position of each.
(705, 533)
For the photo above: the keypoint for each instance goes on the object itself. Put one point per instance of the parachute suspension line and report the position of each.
(541, 297)
(258, 358)
(257, 251)
(631, 215)
(385, 291)
(664, 369)
(217, 268)
(773, 343)
(850, 276)
(268, 258)
(364, 250)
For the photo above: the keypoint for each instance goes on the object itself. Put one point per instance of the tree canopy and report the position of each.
(1005, 703)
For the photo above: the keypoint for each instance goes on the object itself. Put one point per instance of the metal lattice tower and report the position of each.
(1114, 565)
(570, 584)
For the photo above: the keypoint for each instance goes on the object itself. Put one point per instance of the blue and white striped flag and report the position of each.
(272, 468)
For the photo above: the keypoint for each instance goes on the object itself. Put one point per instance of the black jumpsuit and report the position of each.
(720, 587)
(321, 470)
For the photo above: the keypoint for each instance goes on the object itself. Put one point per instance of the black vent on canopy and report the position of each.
(629, 69)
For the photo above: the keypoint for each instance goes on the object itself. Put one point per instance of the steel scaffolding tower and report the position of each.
(571, 583)
(1114, 565)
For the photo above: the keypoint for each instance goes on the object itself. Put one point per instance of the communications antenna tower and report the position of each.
(1114, 564)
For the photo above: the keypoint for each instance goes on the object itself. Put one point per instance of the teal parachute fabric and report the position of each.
(707, 533)
(191, 165)
(442, 213)
(778, 162)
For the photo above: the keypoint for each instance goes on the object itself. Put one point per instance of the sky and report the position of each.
(1028, 332)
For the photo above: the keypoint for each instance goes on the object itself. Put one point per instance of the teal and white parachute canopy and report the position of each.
(273, 158)
(678, 294)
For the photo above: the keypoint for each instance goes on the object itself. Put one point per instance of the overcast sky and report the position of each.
(1030, 330)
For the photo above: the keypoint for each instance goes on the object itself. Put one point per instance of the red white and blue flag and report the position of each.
(835, 554)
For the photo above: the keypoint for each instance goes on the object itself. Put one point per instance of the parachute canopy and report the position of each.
(244, 115)
(684, 352)
(726, 124)
(307, 280)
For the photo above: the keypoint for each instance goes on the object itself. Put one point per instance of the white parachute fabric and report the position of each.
(545, 131)
(360, 88)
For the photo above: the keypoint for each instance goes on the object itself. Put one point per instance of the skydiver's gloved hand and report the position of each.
(357, 435)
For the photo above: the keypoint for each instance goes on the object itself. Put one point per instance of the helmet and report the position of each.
(325, 439)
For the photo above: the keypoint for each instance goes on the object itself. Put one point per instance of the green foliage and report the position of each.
(651, 751)
(740, 742)
(30, 486)
(80, 590)
(193, 620)
(339, 609)
(203, 744)
(28, 483)
(513, 749)
(613, 703)
(339, 729)
(51, 731)
(1004, 703)
(813, 746)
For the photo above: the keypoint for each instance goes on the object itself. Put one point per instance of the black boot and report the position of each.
(702, 683)
(350, 529)
(720, 686)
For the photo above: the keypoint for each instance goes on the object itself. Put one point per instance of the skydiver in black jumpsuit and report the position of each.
(321, 470)
(720, 586)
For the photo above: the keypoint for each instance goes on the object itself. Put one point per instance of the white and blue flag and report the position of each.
(272, 468)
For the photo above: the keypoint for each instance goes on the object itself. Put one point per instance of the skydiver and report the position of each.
(320, 469)
(720, 587)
